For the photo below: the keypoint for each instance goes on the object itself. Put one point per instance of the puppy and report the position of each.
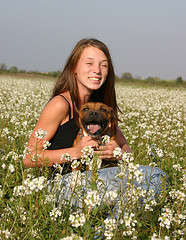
(96, 120)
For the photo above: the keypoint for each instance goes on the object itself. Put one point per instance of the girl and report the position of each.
(87, 76)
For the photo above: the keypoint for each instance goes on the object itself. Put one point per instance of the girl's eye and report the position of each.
(89, 63)
(104, 65)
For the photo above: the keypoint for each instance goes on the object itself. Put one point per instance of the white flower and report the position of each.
(166, 218)
(167, 238)
(1, 192)
(35, 157)
(110, 225)
(55, 213)
(148, 207)
(50, 198)
(66, 157)
(77, 219)
(154, 151)
(129, 221)
(26, 151)
(72, 237)
(75, 164)
(159, 152)
(177, 167)
(111, 195)
(76, 179)
(152, 164)
(30, 185)
(127, 157)
(40, 134)
(88, 153)
(11, 168)
(59, 167)
(177, 195)
(46, 144)
(6, 233)
(155, 237)
(134, 172)
(3, 166)
(105, 139)
(25, 123)
(117, 153)
(92, 199)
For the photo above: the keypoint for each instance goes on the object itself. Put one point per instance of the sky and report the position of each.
(145, 37)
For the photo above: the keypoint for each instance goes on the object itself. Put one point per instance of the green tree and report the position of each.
(13, 69)
(126, 76)
(55, 74)
(179, 80)
(150, 80)
(3, 66)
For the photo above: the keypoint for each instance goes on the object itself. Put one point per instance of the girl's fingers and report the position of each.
(88, 141)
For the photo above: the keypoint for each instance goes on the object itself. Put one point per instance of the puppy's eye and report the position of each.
(85, 109)
(103, 109)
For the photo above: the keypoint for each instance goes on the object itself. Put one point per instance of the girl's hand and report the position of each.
(85, 141)
(106, 152)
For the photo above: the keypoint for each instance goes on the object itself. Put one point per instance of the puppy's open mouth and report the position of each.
(94, 128)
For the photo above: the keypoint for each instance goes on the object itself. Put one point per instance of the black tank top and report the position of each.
(64, 136)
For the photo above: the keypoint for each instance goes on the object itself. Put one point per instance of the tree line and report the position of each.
(126, 76)
(14, 69)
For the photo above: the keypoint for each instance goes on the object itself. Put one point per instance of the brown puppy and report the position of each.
(96, 120)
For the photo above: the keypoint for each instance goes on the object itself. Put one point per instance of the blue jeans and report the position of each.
(152, 180)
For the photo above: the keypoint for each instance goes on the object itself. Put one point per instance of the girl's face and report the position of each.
(91, 70)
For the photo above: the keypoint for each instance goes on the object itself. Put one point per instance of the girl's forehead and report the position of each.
(93, 52)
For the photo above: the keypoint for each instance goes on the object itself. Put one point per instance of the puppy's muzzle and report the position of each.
(95, 123)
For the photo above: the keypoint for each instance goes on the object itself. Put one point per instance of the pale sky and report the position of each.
(145, 37)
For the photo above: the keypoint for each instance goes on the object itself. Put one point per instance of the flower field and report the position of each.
(152, 120)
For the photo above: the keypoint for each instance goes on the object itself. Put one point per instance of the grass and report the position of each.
(153, 122)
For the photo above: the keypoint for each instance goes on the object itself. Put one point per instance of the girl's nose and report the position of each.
(96, 68)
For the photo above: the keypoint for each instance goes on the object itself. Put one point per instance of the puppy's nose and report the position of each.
(93, 113)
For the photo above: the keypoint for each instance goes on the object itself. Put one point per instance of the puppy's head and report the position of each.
(95, 119)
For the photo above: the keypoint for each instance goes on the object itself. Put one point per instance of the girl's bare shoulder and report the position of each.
(58, 103)
(57, 109)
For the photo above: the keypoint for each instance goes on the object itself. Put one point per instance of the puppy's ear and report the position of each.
(77, 120)
(113, 121)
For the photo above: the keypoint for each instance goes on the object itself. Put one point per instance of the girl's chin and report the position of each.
(95, 86)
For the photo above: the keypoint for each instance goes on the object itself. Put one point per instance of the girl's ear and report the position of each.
(75, 71)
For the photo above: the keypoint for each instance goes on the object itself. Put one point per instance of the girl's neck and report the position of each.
(84, 97)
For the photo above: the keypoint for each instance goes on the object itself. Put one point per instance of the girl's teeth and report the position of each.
(95, 79)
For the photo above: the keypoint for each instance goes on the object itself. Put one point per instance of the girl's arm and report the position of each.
(54, 114)
(122, 141)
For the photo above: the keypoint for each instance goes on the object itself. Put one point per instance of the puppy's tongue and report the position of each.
(93, 128)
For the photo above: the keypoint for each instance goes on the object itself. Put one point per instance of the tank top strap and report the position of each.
(68, 105)
(72, 104)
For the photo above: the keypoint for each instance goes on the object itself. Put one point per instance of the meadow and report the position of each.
(152, 119)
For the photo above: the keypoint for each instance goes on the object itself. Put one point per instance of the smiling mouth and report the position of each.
(94, 78)
(94, 128)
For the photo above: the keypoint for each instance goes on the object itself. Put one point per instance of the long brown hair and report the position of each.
(67, 81)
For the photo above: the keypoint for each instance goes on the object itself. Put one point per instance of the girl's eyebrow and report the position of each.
(89, 58)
